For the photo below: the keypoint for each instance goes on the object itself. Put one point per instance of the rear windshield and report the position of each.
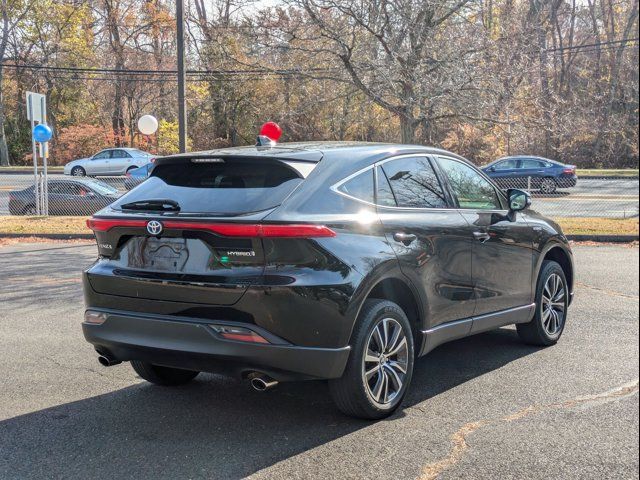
(226, 188)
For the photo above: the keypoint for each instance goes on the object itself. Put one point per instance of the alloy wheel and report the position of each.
(553, 304)
(384, 367)
(548, 186)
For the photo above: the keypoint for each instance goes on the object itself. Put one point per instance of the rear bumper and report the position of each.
(567, 181)
(194, 345)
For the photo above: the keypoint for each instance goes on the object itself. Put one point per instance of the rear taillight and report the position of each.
(569, 170)
(104, 225)
(152, 160)
(239, 334)
(95, 318)
(243, 230)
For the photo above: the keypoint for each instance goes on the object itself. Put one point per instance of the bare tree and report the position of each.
(396, 52)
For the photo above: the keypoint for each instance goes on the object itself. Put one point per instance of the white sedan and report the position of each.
(112, 161)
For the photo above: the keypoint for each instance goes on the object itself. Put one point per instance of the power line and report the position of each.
(204, 75)
(597, 44)
(171, 73)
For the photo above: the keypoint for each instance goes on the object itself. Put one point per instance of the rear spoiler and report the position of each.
(278, 153)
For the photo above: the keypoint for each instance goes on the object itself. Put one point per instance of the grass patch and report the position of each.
(602, 172)
(598, 226)
(29, 225)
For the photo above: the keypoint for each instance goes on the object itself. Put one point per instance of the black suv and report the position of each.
(338, 261)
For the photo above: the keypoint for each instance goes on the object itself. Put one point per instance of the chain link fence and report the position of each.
(592, 197)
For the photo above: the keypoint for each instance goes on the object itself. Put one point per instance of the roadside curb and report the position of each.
(607, 177)
(604, 238)
(30, 172)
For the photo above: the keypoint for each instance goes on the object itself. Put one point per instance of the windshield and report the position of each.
(226, 188)
(103, 188)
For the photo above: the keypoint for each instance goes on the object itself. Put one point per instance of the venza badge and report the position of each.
(154, 227)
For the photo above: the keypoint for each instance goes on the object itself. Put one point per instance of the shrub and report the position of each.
(79, 141)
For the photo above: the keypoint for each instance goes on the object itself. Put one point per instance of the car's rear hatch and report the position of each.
(193, 232)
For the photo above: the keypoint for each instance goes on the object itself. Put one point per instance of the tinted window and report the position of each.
(414, 183)
(507, 165)
(384, 195)
(470, 188)
(66, 188)
(57, 188)
(529, 163)
(360, 186)
(230, 187)
(101, 155)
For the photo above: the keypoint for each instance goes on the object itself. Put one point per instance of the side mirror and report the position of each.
(518, 200)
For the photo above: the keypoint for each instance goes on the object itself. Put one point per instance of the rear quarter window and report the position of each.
(359, 186)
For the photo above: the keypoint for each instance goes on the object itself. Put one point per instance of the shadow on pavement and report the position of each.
(214, 427)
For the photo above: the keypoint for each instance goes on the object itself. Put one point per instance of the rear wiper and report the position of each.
(153, 205)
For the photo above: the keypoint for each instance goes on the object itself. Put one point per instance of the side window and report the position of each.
(384, 195)
(73, 189)
(56, 188)
(507, 165)
(120, 154)
(530, 163)
(102, 155)
(360, 186)
(414, 183)
(470, 188)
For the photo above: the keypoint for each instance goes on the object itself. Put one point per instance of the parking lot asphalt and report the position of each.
(483, 407)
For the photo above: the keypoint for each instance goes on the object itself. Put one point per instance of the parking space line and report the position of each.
(612, 293)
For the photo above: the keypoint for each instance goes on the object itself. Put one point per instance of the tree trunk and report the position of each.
(4, 150)
(408, 129)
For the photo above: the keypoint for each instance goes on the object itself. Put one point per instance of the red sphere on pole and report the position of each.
(271, 130)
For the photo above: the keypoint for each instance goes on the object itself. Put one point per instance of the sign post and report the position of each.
(37, 115)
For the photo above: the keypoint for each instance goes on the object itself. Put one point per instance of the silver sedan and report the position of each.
(112, 161)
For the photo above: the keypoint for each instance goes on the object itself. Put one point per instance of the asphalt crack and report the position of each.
(459, 443)
(611, 293)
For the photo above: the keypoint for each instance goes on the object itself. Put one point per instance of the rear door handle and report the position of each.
(406, 238)
(481, 236)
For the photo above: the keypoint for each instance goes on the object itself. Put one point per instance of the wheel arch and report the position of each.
(395, 287)
(558, 253)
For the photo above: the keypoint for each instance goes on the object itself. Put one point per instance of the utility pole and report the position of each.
(182, 102)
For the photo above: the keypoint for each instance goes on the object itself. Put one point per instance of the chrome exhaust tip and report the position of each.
(262, 383)
(106, 361)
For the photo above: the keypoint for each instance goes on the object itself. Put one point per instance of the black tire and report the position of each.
(29, 210)
(350, 393)
(535, 332)
(166, 376)
(548, 186)
(78, 172)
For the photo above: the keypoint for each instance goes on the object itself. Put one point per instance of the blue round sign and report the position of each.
(42, 133)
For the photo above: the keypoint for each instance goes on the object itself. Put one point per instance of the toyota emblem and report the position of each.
(154, 227)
